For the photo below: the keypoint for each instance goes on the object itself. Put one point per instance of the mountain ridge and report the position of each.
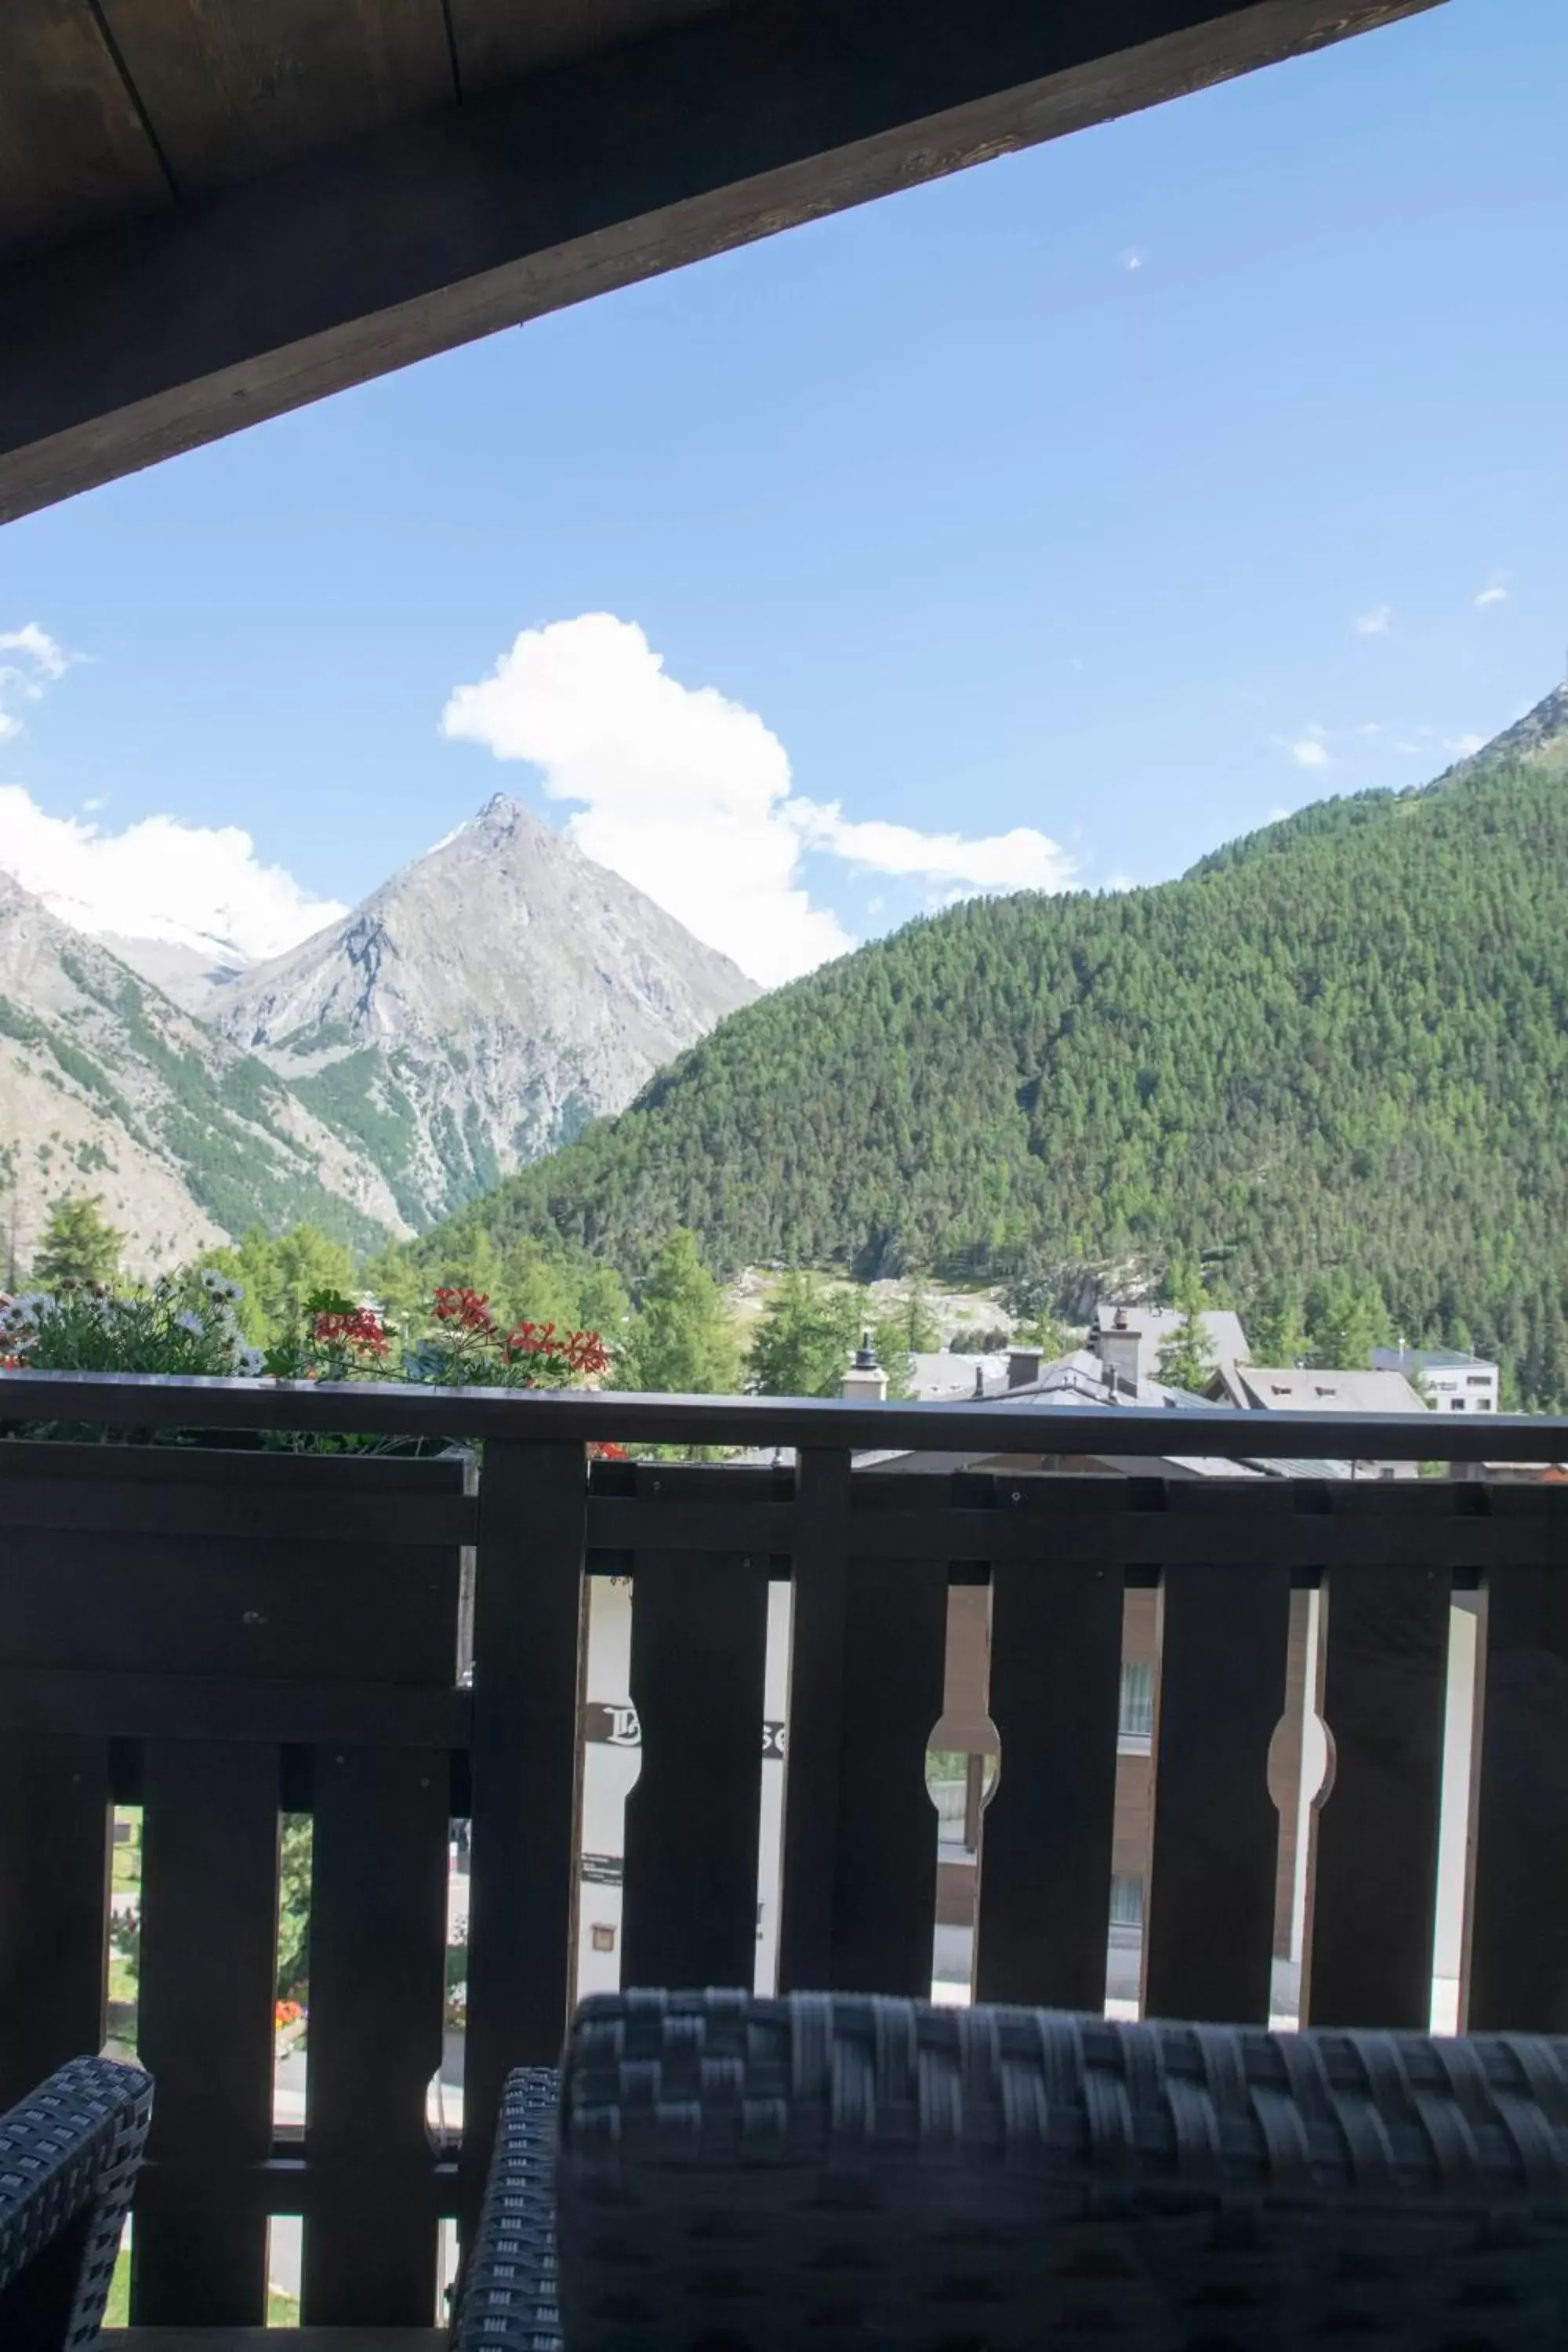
(479, 1006)
(485, 1001)
(1337, 1046)
(108, 1086)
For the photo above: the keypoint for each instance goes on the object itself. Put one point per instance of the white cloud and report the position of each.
(1464, 744)
(1277, 815)
(1132, 259)
(1495, 595)
(1310, 750)
(47, 656)
(688, 795)
(1020, 860)
(1375, 623)
(40, 660)
(199, 886)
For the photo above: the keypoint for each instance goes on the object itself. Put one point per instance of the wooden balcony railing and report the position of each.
(224, 1635)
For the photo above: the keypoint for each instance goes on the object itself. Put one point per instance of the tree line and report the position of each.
(680, 1333)
(1333, 1057)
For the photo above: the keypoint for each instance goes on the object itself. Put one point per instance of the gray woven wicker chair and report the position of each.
(68, 2158)
(740, 2175)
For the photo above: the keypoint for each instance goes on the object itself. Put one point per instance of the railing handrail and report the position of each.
(395, 1409)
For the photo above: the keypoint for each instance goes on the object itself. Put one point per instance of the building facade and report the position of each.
(1450, 1380)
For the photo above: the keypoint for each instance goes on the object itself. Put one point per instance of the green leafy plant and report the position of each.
(456, 1343)
(460, 1345)
(164, 1328)
(125, 1952)
(190, 1326)
(294, 1858)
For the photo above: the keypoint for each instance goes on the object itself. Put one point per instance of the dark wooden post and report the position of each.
(1046, 1843)
(528, 1651)
(1373, 1875)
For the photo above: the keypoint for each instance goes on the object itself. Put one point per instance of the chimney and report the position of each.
(1023, 1366)
(1117, 1346)
(865, 1382)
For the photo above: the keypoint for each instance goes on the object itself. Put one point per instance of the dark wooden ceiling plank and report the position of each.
(126, 349)
(233, 89)
(73, 156)
(498, 42)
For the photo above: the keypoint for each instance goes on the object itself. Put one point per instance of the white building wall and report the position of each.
(1452, 1387)
(1453, 1845)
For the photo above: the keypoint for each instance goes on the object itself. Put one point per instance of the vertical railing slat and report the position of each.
(815, 1713)
(869, 1650)
(54, 1898)
(528, 1651)
(1208, 1925)
(1517, 1970)
(1372, 1868)
(209, 1957)
(895, 1656)
(1047, 1834)
(700, 1630)
(378, 1932)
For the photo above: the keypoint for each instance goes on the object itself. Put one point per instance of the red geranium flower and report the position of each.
(573, 1351)
(362, 1330)
(470, 1309)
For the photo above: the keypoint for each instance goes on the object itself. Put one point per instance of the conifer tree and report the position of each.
(681, 1342)
(79, 1247)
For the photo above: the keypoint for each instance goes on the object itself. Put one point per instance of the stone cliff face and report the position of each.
(480, 1008)
(108, 1086)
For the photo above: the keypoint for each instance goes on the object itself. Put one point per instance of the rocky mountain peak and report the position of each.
(1541, 735)
(481, 1005)
(507, 816)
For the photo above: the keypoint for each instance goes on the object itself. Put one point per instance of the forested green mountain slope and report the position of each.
(1339, 1044)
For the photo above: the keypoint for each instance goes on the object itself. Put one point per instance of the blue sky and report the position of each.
(1043, 501)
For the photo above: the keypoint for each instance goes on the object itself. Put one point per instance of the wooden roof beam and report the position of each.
(128, 347)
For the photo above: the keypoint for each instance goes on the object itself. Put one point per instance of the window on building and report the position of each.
(1136, 1720)
(1478, 1380)
(1483, 1405)
(1126, 1902)
(1456, 1405)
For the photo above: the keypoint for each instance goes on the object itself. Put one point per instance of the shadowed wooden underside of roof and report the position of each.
(209, 215)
